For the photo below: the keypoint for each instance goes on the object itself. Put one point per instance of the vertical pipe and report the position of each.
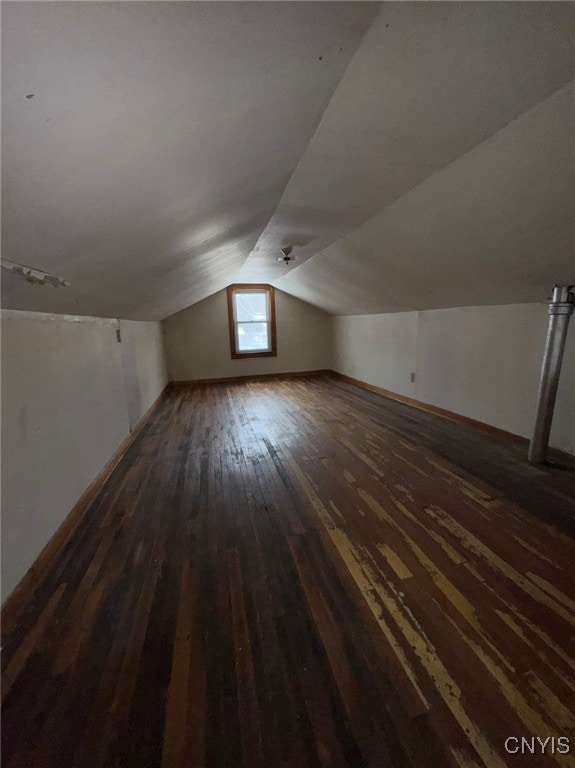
(560, 310)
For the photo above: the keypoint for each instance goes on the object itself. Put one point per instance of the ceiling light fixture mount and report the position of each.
(286, 256)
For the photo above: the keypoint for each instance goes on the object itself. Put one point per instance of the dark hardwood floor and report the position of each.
(300, 573)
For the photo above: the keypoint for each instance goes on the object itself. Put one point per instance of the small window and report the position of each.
(252, 319)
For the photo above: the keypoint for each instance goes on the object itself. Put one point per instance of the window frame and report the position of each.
(236, 288)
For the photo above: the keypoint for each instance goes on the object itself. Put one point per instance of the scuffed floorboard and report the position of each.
(287, 573)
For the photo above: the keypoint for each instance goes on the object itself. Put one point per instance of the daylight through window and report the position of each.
(251, 313)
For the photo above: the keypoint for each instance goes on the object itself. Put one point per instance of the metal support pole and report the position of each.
(560, 310)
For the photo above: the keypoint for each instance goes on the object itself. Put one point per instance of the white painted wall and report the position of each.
(144, 366)
(70, 393)
(484, 362)
(198, 342)
(480, 362)
(377, 349)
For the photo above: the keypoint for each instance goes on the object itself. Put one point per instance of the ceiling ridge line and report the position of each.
(315, 131)
(569, 84)
(296, 166)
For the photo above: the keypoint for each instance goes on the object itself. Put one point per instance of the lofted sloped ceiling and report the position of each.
(146, 145)
(496, 226)
(415, 155)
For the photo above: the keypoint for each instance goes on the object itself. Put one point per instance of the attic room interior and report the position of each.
(288, 390)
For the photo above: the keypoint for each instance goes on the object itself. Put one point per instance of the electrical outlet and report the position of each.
(412, 378)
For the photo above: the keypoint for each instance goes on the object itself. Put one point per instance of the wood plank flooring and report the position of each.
(300, 573)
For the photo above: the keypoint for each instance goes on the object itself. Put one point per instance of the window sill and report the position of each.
(240, 355)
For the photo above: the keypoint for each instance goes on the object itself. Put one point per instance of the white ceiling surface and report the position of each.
(497, 226)
(158, 142)
(429, 83)
(173, 148)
